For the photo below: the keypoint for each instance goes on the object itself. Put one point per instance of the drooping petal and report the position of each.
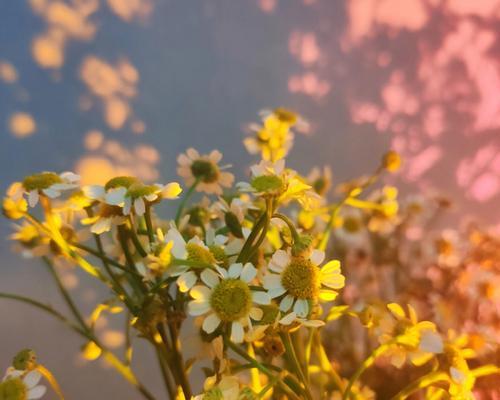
(139, 206)
(276, 292)
(102, 225)
(211, 323)
(286, 303)
(94, 192)
(32, 378)
(37, 392)
(200, 292)
(33, 197)
(288, 319)
(237, 333)
(116, 196)
(301, 308)
(186, 281)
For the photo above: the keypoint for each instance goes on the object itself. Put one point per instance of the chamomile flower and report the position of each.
(129, 193)
(273, 180)
(106, 217)
(21, 385)
(301, 281)
(193, 250)
(205, 170)
(227, 298)
(418, 341)
(47, 184)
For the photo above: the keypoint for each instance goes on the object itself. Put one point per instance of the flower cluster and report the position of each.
(257, 268)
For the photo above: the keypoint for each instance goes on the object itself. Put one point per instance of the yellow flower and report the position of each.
(419, 341)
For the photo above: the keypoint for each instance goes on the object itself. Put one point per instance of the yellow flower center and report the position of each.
(13, 389)
(40, 181)
(219, 254)
(351, 224)
(108, 211)
(231, 299)
(195, 252)
(268, 184)
(25, 359)
(206, 171)
(137, 190)
(285, 115)
(301, 279)
(121, 181)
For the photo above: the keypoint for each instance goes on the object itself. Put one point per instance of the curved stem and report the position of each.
(290, 350)
(261, 368)
(182, 204)
(421, 383)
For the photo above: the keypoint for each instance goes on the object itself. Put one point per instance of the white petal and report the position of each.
(211, 323)
(237, 332)
(280, 260)
(94, 192)
(312, 323)
(256, 313)
(276, 292)
(70, 177)
(186, 281)
(33, 197)
(139, 206)
(301, 308)
(200, 292)
(127, 205)
(317, 256)
(222, 272)
(32, 378)
(286, 303)
(261, 298)
(196, 307)
(235, 270)
(101, 226)
(248, 273)
(51, 192)
(115, 197)
(288, 319)
(209, 278)
(36, 392)
(271, 281)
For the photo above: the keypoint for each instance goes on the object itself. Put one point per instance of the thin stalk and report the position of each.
(149, 224)
(290, 350)
(182, 204)
(262, 368)
(166, 378)
(421, 383)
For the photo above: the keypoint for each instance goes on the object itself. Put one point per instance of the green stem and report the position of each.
(166, 378)
(261, 368)
(421, 383)
(149, 224)
(290, 224)
(67, 298)
(182, 204)
(290, 351)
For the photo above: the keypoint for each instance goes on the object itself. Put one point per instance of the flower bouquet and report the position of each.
(244, 274)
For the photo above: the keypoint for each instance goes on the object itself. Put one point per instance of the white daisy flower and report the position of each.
(226, 298)
(137, 195)
(204, 168)
(301, 281)
(21, 385)
(193, 250)
(47, 184)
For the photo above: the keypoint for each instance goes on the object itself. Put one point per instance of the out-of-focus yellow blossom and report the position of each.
(391, 161)
(274, 138)
(419, 341)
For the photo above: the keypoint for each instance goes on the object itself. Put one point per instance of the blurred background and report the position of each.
(106, 87)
